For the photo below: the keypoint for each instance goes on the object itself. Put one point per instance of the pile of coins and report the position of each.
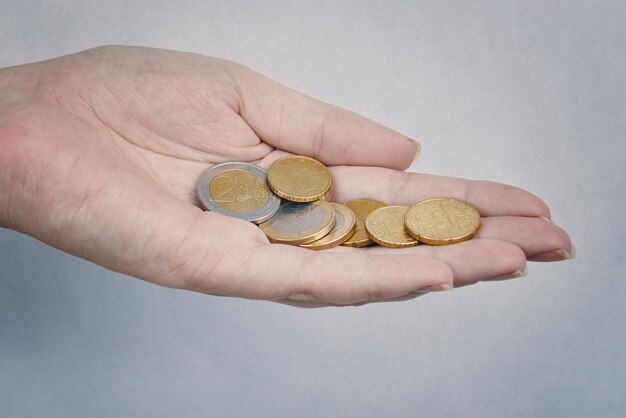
(287, 202)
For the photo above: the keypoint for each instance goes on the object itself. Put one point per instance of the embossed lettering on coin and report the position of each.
(239, 191)
(441, 221)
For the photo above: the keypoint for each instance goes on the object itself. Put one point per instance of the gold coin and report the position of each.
(344, 227)
(441, 221)
(361, 208)
(239, 191)
(385, 226)
(298, 178)
(299, 223)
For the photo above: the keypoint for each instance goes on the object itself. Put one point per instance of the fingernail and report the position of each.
(515, 275)
(547, 219)
(418, 149)
(567, 254)
(437, 288)
(554, 255)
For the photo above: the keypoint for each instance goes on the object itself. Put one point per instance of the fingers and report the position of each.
(535, 236)
(473, 260)
(291, 121)
(498, 252)
(400, 188)
(280, 271)
(469, 261)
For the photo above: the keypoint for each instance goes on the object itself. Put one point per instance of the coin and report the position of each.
(441, 221)
(300, 223)
(239, 190)
(344, 227)
(361, 208)
(298, 178)
(385, 226)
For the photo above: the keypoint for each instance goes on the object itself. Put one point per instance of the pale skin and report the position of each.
(100, 152)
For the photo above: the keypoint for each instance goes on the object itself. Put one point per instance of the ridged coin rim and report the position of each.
(293, 197)
(334, 239)
(363, 242)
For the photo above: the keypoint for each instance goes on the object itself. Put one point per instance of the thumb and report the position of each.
(299, 124)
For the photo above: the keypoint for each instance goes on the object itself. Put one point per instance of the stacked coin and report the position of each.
(304, 218)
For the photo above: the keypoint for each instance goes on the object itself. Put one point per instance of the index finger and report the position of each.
(401, 188)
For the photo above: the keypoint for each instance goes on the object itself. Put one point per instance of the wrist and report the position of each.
(7, 139)
(16, 85)
(18, 81)
(22, 134)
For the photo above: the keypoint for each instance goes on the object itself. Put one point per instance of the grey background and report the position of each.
(530, 93)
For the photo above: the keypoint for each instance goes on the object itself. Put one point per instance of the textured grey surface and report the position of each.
(531, 93)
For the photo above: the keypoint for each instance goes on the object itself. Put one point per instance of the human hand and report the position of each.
(100, 152)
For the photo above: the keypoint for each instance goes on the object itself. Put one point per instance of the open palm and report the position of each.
(100, 152)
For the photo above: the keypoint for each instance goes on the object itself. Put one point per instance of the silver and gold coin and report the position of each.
(300, 223)
(239, 190)
(361, 208)
(385, 226)
(299, 179)
(442, 221)
(344, 227)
